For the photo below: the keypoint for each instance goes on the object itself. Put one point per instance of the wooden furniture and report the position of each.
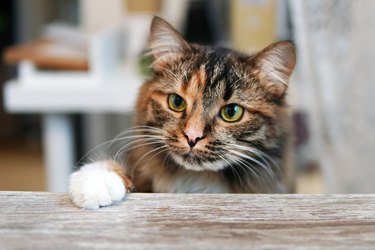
(46, 53)
(189, 221)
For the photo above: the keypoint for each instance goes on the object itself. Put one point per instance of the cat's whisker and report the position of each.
(134, 130)
(247, 167)
(235, 172)
(162, 149)
(257, 153)
(127, 148)
(169, 158)
(130, 137)
(262, 165)
(146, 127)
(263, 156)
(166, 157)
(120, 137)
(134, 167)
(257, 176)
(234, 161)
(135, 134)
(268, 158)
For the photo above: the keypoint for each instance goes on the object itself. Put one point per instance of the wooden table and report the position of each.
(189, 221)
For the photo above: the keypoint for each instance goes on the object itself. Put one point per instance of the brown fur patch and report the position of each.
(120, 171)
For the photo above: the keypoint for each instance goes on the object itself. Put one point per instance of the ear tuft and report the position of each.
(165, 42)
(276, 62)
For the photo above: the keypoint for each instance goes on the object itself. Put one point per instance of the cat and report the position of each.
(210, 120)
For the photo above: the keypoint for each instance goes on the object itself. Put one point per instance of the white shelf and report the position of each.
(116, 94)
(56, 95)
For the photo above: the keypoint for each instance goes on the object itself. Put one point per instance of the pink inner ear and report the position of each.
(165, 42)
(276, 63)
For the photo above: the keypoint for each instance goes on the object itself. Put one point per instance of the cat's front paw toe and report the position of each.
(96, 185)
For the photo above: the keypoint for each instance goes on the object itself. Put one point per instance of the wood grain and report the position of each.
(189, 221)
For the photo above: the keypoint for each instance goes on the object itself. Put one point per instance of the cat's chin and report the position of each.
(203, 166)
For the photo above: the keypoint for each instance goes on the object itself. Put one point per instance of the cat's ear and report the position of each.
(276, 64)
(165, 42)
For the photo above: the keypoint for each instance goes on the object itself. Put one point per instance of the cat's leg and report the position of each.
(99, 184)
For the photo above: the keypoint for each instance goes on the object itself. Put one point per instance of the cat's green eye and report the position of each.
(231, 112)
(176, 103)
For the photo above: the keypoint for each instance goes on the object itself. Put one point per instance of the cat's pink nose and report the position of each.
(193, 136)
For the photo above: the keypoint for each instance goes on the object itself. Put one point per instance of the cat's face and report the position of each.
(211, 107)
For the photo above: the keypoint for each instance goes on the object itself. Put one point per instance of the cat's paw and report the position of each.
(95, 185)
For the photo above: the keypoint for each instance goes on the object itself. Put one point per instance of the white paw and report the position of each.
(95, 185)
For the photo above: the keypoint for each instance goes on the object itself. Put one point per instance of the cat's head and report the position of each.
(212, 107)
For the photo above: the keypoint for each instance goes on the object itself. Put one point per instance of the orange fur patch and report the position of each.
(120, 171)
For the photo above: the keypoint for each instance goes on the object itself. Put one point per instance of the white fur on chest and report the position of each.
(190, 182)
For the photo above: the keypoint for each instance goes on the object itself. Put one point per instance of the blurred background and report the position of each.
(70, 71)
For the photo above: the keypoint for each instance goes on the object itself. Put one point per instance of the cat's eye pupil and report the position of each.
(177, 100)
(232, 110)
